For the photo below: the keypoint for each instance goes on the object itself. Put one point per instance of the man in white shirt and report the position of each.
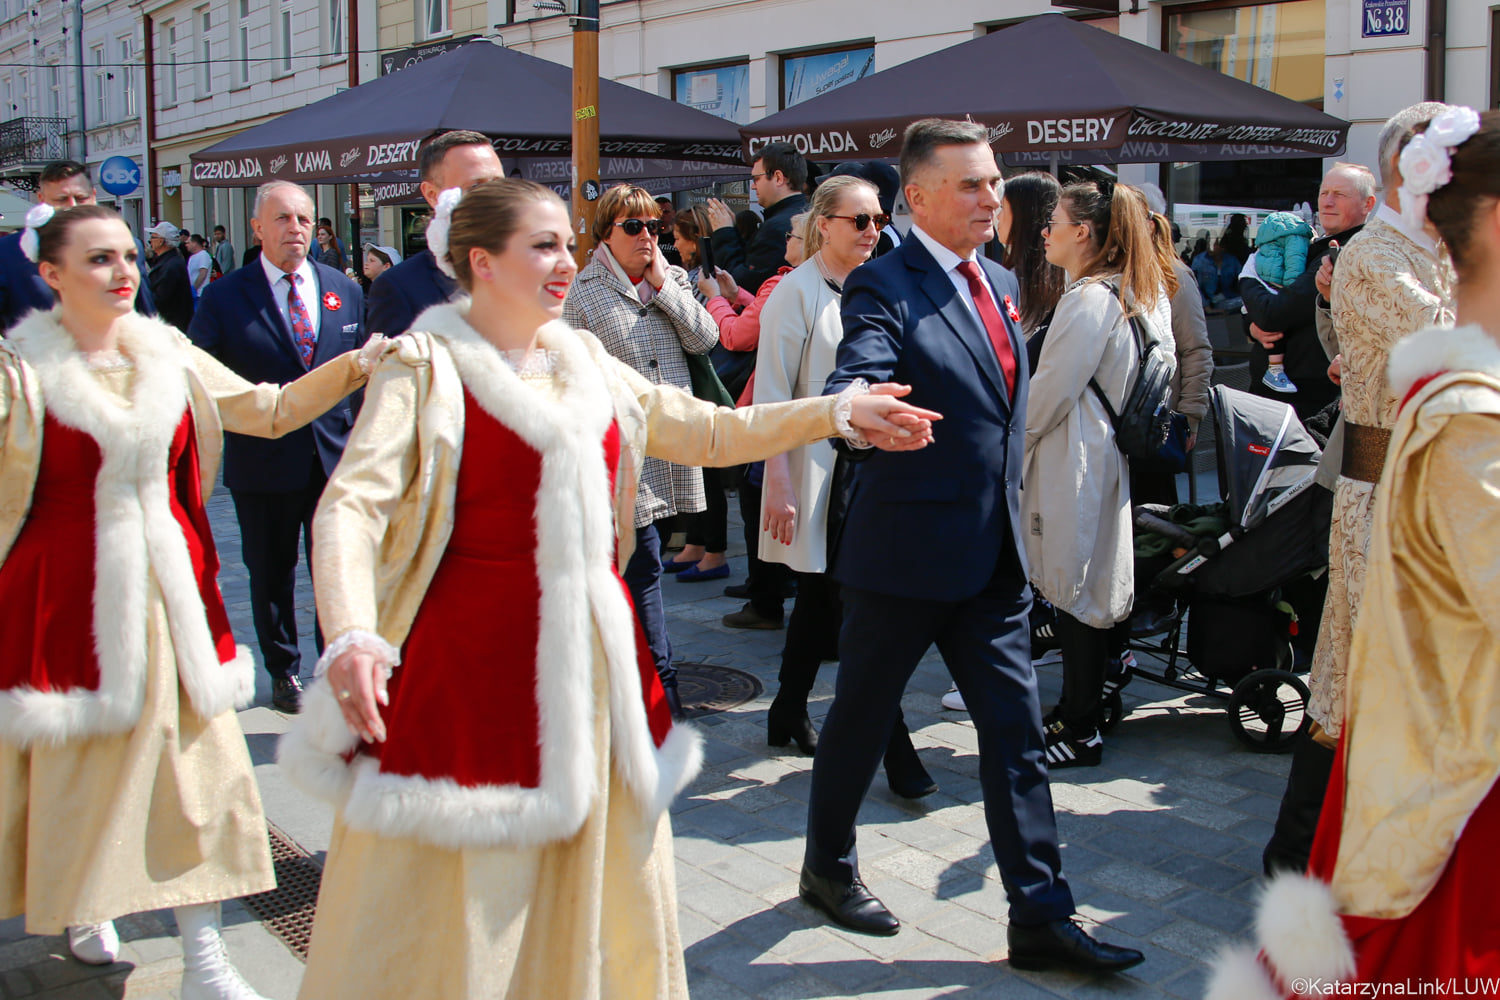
(200, 264)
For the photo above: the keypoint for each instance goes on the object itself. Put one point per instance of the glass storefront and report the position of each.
(1276, 46)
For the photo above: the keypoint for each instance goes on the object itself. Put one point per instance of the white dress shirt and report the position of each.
(307, 288)
(949, 261)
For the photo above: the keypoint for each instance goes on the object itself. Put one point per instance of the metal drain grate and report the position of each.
(288, 909)
(706, 688)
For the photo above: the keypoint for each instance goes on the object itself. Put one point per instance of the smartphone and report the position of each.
(706, 254)
(1333, 255)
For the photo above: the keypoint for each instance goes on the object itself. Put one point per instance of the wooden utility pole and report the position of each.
(586, 186)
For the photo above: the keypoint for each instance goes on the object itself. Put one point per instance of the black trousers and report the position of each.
(812, 635)
(986, 644)
(271, 524)
(710, 527)
(1301, 806)
(767, 581)
(1085, 654)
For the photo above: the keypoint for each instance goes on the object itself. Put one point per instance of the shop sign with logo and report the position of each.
(119, 175)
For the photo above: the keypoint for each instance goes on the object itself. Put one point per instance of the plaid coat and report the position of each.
(651, 339)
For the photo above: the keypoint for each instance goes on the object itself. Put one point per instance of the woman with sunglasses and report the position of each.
(1076, 501)
(801, 329)
(643, 310)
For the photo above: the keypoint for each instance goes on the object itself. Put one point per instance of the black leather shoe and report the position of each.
(783, 726)
(1063, 944)
(286, 694)
(674, 703)
(903, 768)
(848, 904)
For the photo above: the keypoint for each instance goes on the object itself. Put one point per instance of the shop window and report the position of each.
(722, 90)
(433, 18)
(1276, 46)
(812, 73)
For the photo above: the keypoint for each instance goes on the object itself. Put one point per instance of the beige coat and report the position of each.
(800, 331)
(1075, 500)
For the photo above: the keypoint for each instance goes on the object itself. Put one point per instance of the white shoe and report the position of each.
(207, 973)
(94, 944)
(954, 700)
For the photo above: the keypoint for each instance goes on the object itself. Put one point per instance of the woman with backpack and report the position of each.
(1076, 500)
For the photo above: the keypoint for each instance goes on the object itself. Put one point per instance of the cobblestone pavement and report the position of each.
(1161, 844)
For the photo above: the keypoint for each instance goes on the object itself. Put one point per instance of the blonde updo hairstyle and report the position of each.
(825, 203)
(488, 216)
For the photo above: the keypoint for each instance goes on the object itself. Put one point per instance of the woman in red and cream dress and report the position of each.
(501, 827)
(125, 784)
(1402, 882)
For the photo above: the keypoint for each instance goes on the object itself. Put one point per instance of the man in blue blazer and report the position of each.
(252, 320)
(458, 159)
(62, 184)
(935, 315)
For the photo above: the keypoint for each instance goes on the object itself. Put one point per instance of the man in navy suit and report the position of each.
(62, 184)
(935, 315)
(273, 321)
(458, 159)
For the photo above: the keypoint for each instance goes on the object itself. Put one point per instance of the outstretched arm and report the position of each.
(270, 411)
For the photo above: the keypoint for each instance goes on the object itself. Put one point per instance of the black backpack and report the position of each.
(1143, 423)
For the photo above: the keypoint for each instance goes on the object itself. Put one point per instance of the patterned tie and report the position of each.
(993, 324)
(302, 328)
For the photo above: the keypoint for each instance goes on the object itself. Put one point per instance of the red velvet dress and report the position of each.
(1454, 932)
(593, 915)
(161, 814)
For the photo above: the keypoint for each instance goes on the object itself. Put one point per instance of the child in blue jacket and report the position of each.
(1281, 246)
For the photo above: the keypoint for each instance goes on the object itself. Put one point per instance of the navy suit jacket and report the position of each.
(904, 322)
(239, 323)
(399, 295)
(22, 288)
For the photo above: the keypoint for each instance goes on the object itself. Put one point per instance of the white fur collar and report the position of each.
(137, 538)
(1441, 349)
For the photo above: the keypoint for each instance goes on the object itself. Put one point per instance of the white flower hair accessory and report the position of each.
(1427, 161)
(437, 229)
(36, 218)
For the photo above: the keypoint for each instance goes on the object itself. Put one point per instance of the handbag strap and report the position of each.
(1140, 350)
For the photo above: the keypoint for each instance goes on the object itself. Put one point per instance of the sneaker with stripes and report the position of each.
(1065, 748)
(1045, 646)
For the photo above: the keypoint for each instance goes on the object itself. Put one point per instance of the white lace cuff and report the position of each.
(843, 409)
(370, 353)
(367, 642)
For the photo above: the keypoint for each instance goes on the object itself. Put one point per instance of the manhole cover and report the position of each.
(706, 688)
(288, 909)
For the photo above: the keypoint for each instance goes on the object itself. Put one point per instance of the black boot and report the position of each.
(787, 720)
(903, 768)
(674, 702)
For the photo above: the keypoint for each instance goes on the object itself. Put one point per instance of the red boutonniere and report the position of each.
(333, 303)
(1012, 311)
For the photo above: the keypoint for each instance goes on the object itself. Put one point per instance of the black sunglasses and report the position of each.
(633, 227)
(863, 219)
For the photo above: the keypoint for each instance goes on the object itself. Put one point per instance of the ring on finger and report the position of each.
(345, 695)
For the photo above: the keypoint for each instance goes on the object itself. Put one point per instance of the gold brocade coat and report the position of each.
(1422, 731)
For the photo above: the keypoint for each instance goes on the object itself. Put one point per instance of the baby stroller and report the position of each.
(1226, 570)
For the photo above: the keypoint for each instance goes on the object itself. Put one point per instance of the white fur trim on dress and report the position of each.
(1441, 349)
(136, 537)
(1239, 975)
(1298, 928)
(580, 597)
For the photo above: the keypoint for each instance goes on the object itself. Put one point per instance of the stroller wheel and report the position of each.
(1114, 711)
(1268, 710)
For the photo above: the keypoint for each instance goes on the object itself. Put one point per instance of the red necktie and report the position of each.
(302, 328)
(993, 324)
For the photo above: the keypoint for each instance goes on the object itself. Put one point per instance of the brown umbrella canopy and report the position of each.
(1053, 84)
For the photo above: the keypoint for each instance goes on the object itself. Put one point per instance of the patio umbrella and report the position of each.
(1056, 85)
(371, 133)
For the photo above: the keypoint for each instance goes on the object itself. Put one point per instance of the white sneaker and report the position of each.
(955, 701)
(94, 944)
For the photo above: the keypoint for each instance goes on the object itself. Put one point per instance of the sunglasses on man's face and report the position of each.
(633, 227)
(863, 219)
